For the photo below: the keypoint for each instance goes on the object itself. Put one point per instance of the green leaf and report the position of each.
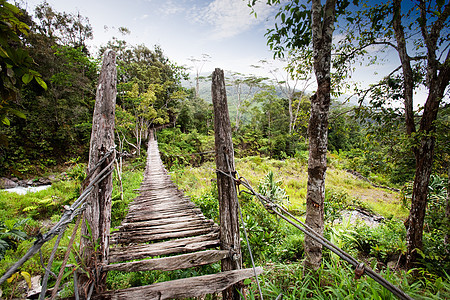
(18, 113)
(41, 82)
(6, 121)
(27, 77)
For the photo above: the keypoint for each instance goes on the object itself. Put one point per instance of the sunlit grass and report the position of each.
(293, 175)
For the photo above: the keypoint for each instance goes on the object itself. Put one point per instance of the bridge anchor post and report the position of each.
(95, 231)
(228, 203)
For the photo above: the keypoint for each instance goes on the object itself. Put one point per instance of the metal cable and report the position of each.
(67, 217)
(275, 208)
(245, 230)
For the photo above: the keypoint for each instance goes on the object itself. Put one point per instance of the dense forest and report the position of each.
(48, 81)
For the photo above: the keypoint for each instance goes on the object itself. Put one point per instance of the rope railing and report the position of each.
(287, 216)
(70, 212)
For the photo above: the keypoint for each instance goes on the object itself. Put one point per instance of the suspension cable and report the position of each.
(68, 215)
(283, 213)
(245, 229)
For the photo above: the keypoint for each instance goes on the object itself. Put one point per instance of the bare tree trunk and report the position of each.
(447, 209)
(322, 29)
(97, 215)
(437, 80)
(228, 205)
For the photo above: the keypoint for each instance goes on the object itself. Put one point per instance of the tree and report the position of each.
(198, 66)
(243, 86)
(15, 63)
(67, 29)
(149, 90)
(297, 75)
(418, 33)
(57, 124)
(293, 31)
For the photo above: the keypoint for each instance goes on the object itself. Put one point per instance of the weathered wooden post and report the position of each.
(97, 215)
(228, 205)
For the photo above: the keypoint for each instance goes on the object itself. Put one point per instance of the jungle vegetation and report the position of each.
(48, 83)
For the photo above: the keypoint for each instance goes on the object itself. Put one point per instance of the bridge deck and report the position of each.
(163, 222)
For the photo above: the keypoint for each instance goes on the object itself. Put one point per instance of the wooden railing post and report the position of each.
(228, 205)
(97, 215)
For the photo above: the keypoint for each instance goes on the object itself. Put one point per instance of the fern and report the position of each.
(11, 235)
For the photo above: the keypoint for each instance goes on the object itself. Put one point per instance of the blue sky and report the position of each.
(223, 29)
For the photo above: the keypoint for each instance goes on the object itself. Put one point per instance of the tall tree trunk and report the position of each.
(97, 215)
(291, 114)
(447, 209)
(322, 30)
(437, 80)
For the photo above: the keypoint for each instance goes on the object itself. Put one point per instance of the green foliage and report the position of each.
(131, 181)
(180, 149)
(15, 64)
(272, 189)
(11, 234)
(292, 247)
(195, 114)
(39, 205)
(435, 255)
(77, 172)
(209, 204)
(384, 242)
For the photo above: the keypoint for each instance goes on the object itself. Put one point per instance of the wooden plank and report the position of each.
(182, 288)
(159, 204)
(184, 245)
(139, 224)
(173, 226)
(147, 217)
(157, 199)
(138, 237)
(160, 211)
(171, 263)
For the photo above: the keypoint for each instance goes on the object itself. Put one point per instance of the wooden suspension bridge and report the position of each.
(163, 230)
(162, 222)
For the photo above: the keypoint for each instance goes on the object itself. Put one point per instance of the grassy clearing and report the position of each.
(293, 175)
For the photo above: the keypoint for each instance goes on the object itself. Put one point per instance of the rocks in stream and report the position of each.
(9, 183)
(6, 183)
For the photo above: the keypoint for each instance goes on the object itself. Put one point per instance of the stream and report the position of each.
(21, 190)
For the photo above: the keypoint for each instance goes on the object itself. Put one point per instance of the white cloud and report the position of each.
(171, 7)
(230, 17)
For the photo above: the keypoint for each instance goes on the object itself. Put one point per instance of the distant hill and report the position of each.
(205, 91)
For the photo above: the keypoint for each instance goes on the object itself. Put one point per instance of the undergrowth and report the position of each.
(276, 245)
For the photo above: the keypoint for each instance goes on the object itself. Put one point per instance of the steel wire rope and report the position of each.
(245, 230)
(271, 206)
(69, 214)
